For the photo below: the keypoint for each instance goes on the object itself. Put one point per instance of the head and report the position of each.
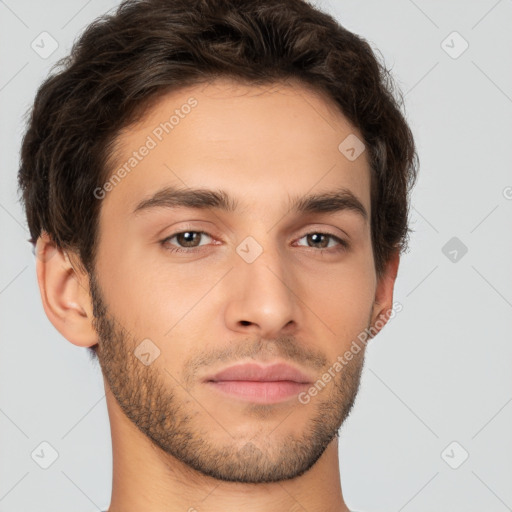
(185, 175)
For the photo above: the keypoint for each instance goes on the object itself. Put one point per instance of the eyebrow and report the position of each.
(341, 199)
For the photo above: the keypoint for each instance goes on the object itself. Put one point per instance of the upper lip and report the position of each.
(256, 372)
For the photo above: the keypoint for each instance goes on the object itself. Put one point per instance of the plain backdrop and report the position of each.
(430, 430)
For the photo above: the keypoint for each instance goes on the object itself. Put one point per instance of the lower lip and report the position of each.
(258, 391)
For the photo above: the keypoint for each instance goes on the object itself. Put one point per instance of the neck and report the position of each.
(146, 478)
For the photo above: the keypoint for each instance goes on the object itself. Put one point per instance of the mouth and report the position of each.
(265, 392)
(260, 384)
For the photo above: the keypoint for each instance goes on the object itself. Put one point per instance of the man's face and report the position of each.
(265, 284)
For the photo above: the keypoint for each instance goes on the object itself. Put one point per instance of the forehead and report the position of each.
(258, 143)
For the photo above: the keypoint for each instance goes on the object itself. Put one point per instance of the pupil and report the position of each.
(314, 236)
(188, 236)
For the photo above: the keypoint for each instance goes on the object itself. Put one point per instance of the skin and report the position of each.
(177, 444)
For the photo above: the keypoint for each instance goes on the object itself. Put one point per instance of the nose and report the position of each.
(261, 299)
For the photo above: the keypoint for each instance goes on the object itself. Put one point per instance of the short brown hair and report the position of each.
(125, 61)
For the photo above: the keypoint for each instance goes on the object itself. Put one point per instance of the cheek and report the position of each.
(157, 300)
(341, 298)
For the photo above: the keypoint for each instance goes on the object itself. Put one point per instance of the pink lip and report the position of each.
(256, 372)
(261, 384)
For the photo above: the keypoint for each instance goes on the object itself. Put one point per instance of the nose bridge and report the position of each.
(263, 265)
(260, 287)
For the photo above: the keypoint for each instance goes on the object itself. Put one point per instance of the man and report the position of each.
(218, 193)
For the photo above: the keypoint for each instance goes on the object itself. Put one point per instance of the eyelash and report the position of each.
(343, 244)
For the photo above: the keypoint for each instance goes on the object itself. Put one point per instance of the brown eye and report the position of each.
(319, 240)
(185, 240)
(188, 238)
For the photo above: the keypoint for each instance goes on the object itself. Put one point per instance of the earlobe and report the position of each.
(64, 293)
(383, 303)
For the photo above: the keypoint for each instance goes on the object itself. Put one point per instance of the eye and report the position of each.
(186, 239)
(323, 239)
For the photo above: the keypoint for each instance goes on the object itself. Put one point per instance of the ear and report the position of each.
(64, 293)
(383, 303)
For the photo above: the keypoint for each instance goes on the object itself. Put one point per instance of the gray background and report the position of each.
(439, 372)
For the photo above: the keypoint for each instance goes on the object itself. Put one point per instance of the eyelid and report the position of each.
(322, 228)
